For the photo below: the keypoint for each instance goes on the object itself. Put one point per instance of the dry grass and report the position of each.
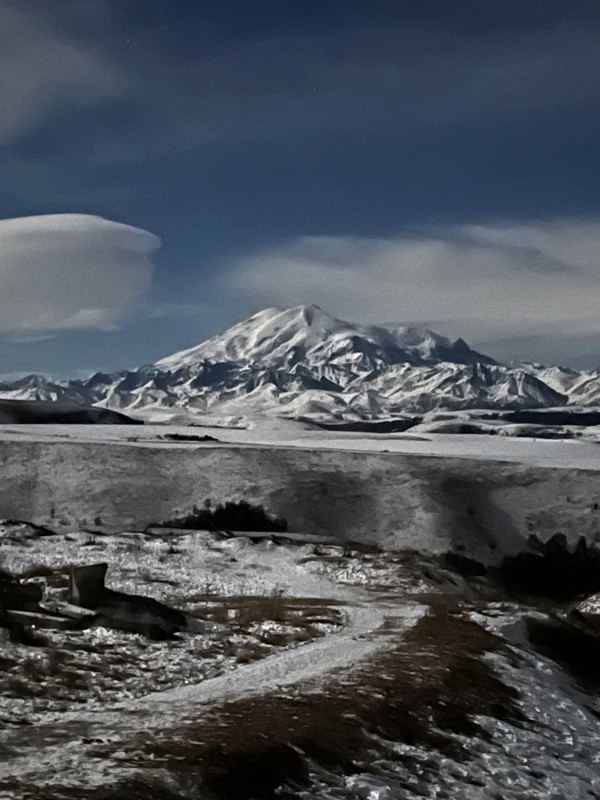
(241, 612)
(426, 692)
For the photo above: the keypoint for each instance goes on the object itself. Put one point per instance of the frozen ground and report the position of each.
(334, 672)
(230, 584)
(283, 614)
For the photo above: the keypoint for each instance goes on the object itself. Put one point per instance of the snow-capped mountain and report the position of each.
(458, 386)
(37, 387)
(302, 362)
(338, 350)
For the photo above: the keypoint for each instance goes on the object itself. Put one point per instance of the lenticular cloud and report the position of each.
(502, 279)
(71, 271)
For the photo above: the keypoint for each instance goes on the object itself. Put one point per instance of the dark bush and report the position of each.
(232, 516)
(551, 569)
(185, 437)
(548, 569)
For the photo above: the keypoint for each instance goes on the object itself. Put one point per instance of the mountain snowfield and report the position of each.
(304, 363)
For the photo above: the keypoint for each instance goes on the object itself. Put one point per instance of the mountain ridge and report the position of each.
(303, 362)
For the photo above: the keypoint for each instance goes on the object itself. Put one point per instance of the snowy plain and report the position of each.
(566, 453)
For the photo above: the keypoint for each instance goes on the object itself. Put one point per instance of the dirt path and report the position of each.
(62, 754)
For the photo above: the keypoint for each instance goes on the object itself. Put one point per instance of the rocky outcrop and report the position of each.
(129, 612)
(19, 599)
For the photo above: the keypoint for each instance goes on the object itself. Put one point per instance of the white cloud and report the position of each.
(70, 272)
(42, 67)
(498, 280)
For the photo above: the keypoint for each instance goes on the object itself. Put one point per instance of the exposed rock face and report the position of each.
(588, 612)
(17, 595)
(86, 585)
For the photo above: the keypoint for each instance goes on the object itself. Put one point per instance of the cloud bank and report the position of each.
(70, 272)
(500, 280)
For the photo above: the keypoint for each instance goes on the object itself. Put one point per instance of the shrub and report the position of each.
(232, 516)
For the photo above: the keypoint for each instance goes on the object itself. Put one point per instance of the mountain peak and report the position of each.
(279, 338)
(310, 313)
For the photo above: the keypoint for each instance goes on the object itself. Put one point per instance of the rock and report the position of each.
(86, 585)
(37, 620)
(14, 594)
(129, 612)
(22, 634)
(68, 610)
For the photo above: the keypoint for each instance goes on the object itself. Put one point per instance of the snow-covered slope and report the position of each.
(458, 386)
(36, 387)
(339, 350)
(580, 387)
(302, 362)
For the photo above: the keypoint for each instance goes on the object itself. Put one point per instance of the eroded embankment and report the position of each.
(431, 504)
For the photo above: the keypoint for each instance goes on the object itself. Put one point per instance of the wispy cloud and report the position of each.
(66, 272)
(178, 310)
(403, 76)
(501, 280)
(43, 67)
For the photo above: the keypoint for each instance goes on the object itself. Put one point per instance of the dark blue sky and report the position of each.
(232, 128)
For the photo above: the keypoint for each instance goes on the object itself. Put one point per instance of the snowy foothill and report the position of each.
(427, 492)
